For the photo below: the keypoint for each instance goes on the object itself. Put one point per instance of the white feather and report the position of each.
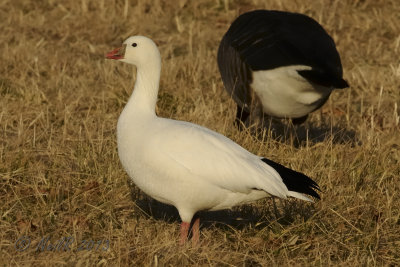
(284, 93)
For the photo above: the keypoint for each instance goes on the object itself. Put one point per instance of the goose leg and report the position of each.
(184, 232)
(196, 231)
(241, 117)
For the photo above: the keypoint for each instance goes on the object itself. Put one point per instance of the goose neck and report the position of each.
(144, 96)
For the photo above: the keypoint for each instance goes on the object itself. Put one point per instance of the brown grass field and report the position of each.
(60, 175)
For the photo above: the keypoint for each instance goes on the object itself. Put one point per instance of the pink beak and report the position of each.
(117, 53)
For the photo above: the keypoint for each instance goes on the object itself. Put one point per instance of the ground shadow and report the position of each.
(307, 133)
(273, 211)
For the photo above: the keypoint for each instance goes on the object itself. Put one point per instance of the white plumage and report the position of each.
(183, 164)
(284, 93)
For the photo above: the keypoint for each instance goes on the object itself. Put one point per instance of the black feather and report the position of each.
(236, 74)
(295, 181)
(321, 78)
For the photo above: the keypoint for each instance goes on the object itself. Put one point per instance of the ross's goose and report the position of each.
(184, 164)
(278, 63)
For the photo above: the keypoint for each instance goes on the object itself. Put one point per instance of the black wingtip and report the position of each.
(324, 79)
(295, 181)
(342, 84)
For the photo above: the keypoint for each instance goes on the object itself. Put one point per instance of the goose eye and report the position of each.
(134, 44)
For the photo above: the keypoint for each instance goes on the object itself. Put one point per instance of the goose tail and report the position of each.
(296, 182)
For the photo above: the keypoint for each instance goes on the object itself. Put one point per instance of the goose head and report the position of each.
(136, 50)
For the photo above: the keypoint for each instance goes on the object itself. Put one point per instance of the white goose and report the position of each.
(184, 164)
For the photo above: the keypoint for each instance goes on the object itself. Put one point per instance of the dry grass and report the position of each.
(59, 170)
